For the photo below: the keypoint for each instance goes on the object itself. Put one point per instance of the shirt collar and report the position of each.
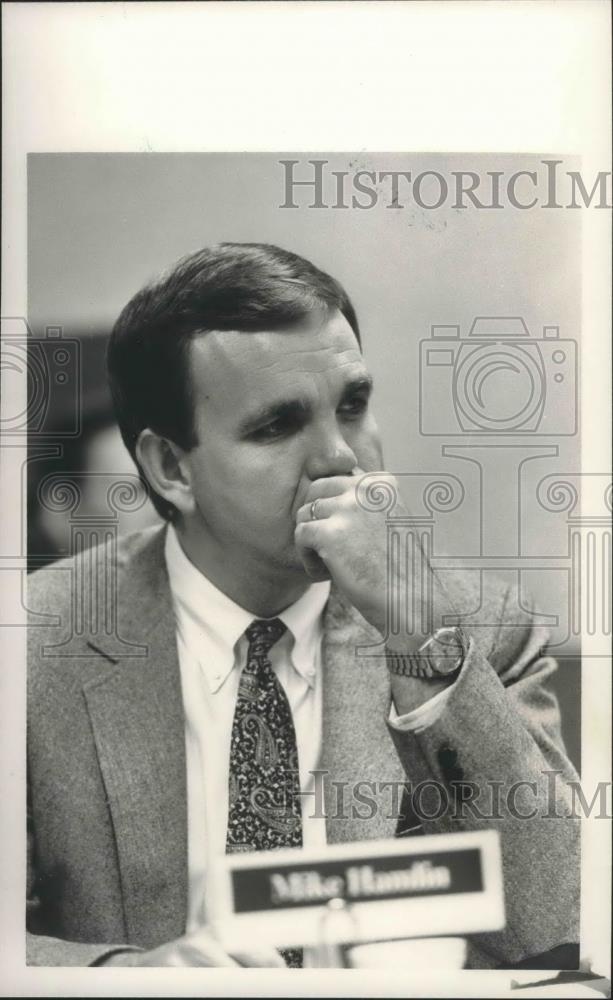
(303, 619)
(209, 619)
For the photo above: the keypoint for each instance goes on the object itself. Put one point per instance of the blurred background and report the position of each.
(101, 225)
(93, 462)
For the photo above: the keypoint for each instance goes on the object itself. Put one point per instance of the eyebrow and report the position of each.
(299, 408)
(364, 383)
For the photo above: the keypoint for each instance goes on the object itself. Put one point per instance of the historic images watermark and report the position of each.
(309, 183)
(457, 800)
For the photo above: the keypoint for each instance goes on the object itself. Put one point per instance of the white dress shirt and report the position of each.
(212, 650)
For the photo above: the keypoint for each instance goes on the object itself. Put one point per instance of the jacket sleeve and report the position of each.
(48, 951)
(497, 752)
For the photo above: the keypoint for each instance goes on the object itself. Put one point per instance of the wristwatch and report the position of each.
(441, 655)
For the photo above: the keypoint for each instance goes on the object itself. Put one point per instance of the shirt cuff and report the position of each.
(424, 715)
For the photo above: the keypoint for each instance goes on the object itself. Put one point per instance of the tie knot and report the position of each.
(263, 633)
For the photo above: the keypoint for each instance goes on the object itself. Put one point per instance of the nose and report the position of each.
(330, 455)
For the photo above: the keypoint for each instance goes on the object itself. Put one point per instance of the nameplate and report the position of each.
(367, 891)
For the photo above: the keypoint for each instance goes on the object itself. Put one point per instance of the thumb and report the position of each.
(314, 565)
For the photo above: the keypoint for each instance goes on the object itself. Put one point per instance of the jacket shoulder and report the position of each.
(50, 588)
(66, 601)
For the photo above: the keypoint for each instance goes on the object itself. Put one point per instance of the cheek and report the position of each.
(232, 480)
(271, 478)
(367, 447)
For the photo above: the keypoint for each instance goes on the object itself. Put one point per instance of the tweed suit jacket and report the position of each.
(107, 801)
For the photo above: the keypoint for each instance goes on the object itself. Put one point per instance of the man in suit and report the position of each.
(227, 682)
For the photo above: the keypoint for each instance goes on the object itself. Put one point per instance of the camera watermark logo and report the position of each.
(504, 400)
(498, 380)
(41, 420)
(39, 376)
(50, 368)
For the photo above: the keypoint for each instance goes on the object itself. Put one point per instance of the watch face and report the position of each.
(447, 650)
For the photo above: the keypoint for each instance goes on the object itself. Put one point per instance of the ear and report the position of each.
(165, 469)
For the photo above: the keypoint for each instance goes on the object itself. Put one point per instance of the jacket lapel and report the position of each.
(357, 747)
(136, 712)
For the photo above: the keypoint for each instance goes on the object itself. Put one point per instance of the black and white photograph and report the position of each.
(306, 502)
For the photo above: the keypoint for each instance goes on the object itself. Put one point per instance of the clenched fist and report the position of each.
(338, 536)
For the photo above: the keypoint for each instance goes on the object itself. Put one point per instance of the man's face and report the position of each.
(273, 412)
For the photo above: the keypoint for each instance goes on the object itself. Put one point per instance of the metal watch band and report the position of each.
(410, 665)
(428, 661)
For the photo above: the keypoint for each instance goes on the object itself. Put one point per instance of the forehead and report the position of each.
(322, 352)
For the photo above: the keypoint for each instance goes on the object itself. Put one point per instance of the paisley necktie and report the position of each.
(264, 811)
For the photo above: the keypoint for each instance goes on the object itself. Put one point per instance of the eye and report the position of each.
(271, 431)
(354, 407)
(282, 426)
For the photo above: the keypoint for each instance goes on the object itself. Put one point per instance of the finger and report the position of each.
(330, 486)
(314, 536)
(314, 566)
(321, 507)
(202, 949)
(311, 535)
(208, 957)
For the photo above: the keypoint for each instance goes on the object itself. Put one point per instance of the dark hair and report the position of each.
(250, 287)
